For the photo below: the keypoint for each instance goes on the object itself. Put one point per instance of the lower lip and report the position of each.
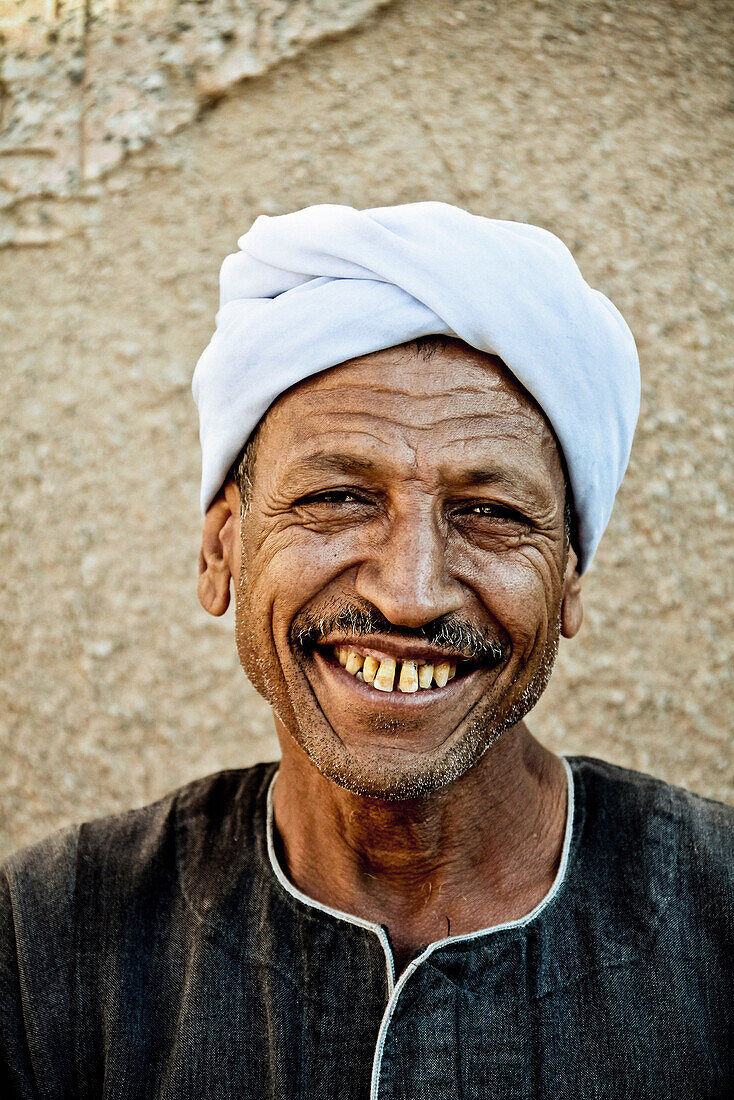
(392, 700)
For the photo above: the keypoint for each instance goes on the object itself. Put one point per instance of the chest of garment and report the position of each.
(163, 954)
(478, 1022)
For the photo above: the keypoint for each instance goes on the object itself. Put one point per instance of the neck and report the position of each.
(482, 850)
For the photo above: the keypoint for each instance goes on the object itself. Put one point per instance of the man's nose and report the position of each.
(406, 574)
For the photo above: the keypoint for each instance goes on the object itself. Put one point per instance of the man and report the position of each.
(414, 422)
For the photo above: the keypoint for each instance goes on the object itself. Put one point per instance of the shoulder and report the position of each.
(37, 888)
(106, 898)
(129, 859)
(137, 837)
(659, 844)
(621, 797)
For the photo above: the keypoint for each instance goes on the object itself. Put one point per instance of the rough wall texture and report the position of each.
(611, 124)
(84, 83)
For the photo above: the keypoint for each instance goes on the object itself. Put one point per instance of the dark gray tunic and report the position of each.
(161, 953)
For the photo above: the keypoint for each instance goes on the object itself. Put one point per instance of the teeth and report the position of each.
(441, 673)
(354, 662)
(425, 676)
(369, 669)
(408, 676)
(381, 674)
(385, 676)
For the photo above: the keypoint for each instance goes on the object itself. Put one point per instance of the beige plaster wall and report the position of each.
(609, 123)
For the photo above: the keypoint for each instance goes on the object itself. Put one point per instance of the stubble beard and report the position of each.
(369, 774)
(376, 778)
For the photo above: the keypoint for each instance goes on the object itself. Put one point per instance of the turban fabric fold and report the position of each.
(311, 289)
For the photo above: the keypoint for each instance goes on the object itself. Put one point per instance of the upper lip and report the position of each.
(413, 650)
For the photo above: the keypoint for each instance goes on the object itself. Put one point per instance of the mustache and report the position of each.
(446, 632)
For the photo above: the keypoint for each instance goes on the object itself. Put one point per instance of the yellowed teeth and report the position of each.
(411, 675)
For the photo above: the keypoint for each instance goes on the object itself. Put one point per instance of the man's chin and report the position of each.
(394, 752)
(395, 774)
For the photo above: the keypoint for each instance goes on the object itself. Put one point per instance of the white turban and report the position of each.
(314, 288)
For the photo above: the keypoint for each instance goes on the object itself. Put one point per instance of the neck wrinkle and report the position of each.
(495, 833)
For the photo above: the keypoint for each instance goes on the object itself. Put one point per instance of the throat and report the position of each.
(479, 853)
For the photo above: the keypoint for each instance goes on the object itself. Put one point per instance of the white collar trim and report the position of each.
(379, 931)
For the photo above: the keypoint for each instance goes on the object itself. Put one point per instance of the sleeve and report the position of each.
(36, 970)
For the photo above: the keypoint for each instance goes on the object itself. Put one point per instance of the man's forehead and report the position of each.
(400, 385)
(459, 413)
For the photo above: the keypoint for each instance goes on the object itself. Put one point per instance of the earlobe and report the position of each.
(215, 565)
(572, 611)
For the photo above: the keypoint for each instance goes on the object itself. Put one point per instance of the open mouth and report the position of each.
(385, 673)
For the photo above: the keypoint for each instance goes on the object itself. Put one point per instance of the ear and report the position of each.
(218, 562)
(572, 612)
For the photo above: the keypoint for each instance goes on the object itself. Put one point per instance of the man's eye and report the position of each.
(492, 511)
(331, 496)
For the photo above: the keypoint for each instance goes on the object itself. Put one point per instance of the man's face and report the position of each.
(410, 510)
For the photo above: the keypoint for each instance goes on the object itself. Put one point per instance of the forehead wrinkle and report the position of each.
(480, 425)
(317, 399)
(408, 389)
(340, 448)
(420, 412)
(407, 373)
(508, 423)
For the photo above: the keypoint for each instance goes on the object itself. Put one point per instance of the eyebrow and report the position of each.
(327, 462)
(493, 476)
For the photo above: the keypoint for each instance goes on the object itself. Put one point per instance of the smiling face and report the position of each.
(406, 521)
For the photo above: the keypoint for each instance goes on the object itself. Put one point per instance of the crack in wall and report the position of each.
(86, 29)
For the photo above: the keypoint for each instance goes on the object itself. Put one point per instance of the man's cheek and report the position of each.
(263, 616)
(315, 557)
